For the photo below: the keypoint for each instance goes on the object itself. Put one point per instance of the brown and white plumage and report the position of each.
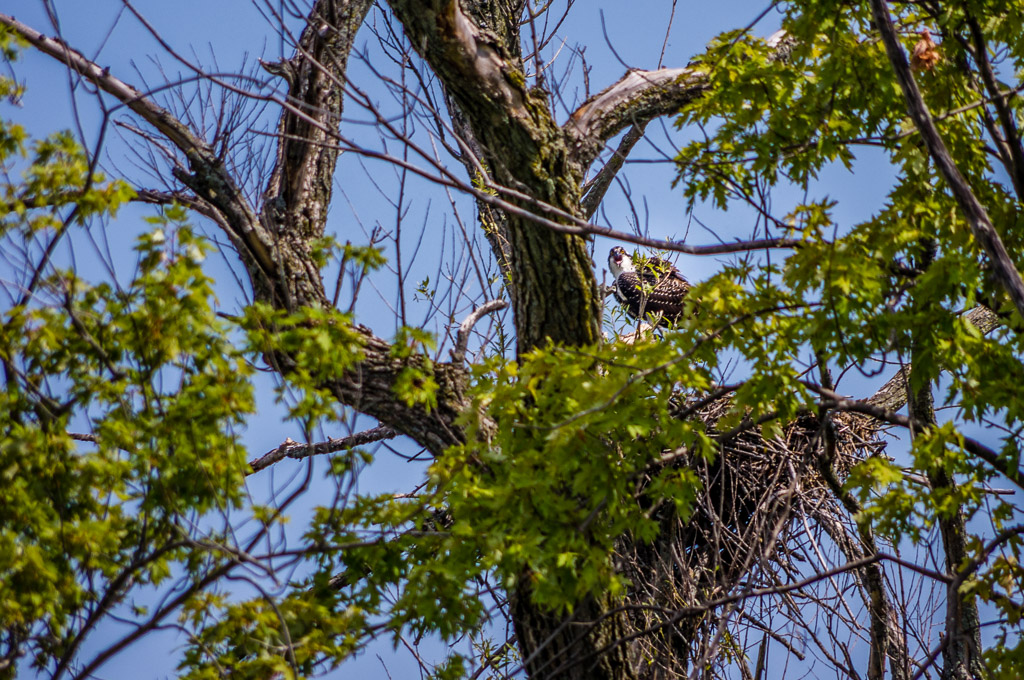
(654, 290)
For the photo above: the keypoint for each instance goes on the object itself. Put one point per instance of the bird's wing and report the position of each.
(665, 269)
(649, 293)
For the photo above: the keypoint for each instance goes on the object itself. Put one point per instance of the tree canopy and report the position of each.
(597, 499)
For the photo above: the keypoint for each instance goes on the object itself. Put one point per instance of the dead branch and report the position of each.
(297, 450)
(462, 340)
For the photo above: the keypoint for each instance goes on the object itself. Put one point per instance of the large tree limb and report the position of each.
(523, 148)
(635, 99)
(893, 394)
(299, 189)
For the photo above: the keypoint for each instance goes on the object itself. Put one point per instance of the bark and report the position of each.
(635, 99)
(961, 653)
(297, 450)
(579, 646)
(523, 148)
(298, 192)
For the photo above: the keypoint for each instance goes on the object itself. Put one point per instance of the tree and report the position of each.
(631, 509)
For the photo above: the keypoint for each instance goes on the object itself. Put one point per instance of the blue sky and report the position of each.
(223, 34)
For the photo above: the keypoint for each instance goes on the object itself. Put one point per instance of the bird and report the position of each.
(652, 291)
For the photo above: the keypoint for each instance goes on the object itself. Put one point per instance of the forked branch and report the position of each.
(635, 99)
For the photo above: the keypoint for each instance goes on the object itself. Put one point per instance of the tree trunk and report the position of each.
(961, 655)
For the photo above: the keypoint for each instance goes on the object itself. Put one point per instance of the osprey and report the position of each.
(654, 289)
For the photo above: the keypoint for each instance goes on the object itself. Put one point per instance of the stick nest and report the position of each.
(762, 503)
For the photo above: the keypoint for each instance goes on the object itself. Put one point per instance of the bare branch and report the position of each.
(297, 450)
(208, 177)
(278, 262)
(594, 191)
(462, 340)
(635, 99)
(571, 223)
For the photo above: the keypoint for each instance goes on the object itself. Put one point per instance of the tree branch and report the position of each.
(1011, 141)
(635, 99)
(594, 191)
(299, 189)
(209, 178)
(523, 148)
(462, 339)
(276, 251)
(885, 415)
(297, 450)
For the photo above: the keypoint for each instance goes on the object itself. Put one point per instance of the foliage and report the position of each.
(913, 265)
(560, 441)
(153, 374)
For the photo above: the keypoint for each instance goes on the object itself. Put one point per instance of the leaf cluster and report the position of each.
(151, 375)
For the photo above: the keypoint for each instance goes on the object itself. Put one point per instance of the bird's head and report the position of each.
(619, 261)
